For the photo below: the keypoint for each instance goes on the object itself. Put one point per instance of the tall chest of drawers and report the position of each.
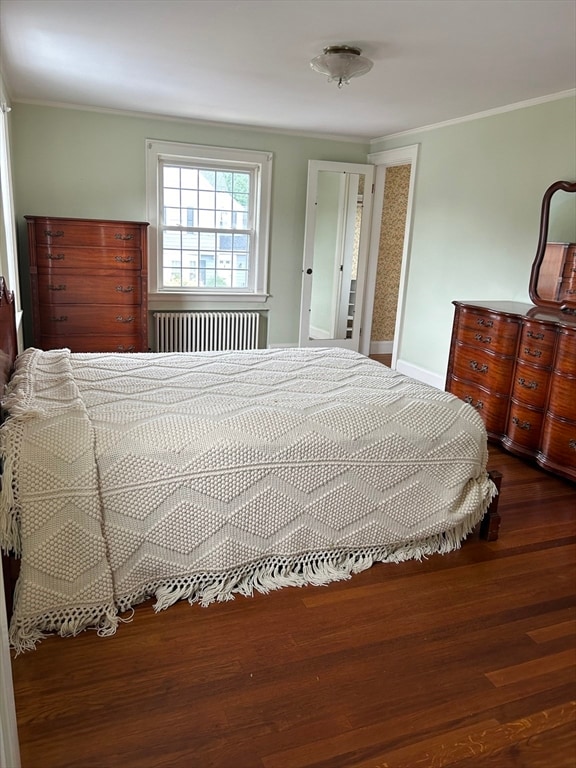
(88, 284)
(516, 364)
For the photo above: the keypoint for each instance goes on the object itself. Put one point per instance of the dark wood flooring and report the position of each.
(465, 660)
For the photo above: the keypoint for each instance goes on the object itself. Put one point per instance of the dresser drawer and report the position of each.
(484, 368)
(478, 329)
(537, 344)
(530, 384)
(63, 232)
(559, 444)
(562, 399)
(124, 343)
(491, 406)
(81, 319)
(65, 288)
(566, 352)
(524, 427)
(53, 258)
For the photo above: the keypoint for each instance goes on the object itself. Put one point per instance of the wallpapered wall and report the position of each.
(390, 252)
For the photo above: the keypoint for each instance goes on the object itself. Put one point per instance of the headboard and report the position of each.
(8, 336)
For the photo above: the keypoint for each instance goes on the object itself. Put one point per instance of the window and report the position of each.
(209, 213)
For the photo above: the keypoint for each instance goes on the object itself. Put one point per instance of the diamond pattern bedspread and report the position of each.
(200, 475)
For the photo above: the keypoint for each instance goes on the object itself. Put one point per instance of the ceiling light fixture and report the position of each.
(340, 63)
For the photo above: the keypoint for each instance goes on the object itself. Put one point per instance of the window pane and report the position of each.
(172, 277)
(189, 178)
(190, 278)
(172, 198)
(172, 217)
(223, 278)
(189, 259)
(171, 177)
(171, 239)
(239, 279)
(189, 198)
(191, 240)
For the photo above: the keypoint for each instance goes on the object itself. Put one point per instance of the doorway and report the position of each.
(388, 260)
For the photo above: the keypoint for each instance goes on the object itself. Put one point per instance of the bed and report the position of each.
(201, 476)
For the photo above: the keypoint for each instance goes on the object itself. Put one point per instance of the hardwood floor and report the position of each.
(463, 660)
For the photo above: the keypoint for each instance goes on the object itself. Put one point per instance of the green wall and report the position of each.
(69, 162)
(478, 190)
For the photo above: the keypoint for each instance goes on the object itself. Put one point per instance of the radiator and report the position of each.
(206, 331)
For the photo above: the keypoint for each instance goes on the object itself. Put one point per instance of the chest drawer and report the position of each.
(481, 367)
(128, 342)
(497, 334)
(537, 344)
(566, 352)
(491, 406)
(69, 288)
(559, 443)
(80, 320)
(524, 426)
(54, 258)
(65, 232)
(530, 385)
(562, 400)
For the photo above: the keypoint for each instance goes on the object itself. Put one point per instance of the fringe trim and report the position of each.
(25, 633)
(264, 576)
(317, 568)
(17, 405)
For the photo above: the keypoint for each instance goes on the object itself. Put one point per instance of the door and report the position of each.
(336, 241)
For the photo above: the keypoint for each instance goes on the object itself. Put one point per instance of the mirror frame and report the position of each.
(565, 305)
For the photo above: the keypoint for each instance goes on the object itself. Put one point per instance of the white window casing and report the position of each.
(258, 165)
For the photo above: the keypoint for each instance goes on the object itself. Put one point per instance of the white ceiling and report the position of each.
(246, 62)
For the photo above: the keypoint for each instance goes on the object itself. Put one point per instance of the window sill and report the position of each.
(194, 300)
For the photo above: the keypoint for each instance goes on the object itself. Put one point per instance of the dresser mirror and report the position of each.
(553, 277)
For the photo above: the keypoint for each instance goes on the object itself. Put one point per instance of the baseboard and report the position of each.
(381, 347)
(420, 374)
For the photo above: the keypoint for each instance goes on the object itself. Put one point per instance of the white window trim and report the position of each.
(175, 152)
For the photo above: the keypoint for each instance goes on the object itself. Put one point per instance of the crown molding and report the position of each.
(479, 115)
(195, 121)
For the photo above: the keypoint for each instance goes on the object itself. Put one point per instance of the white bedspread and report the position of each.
(200, 475)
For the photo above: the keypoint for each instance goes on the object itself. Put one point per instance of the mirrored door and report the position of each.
(338, 212)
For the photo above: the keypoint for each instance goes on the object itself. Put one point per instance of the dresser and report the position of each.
(516, 364)
(88, 284)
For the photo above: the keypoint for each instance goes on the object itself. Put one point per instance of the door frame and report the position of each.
(382, 160)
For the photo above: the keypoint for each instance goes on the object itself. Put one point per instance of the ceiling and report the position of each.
(246, 62)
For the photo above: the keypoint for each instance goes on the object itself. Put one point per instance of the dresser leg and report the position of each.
(490, 523)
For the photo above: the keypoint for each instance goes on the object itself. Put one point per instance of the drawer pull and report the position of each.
(124, 289)
(478, 404)
(121, 319)
(571, 292)
(122, 348)
(56, 287)
(56, 257)
(477, 367)
(533, 335)
(124, 259)
(528, 384)
(61, 319)
(535, 353)
(485, 323)
(572, 444)
(58, 233)
(120, 236)
(522, 424)
(483, 339)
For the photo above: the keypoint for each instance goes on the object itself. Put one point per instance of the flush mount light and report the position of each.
(341, 63)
